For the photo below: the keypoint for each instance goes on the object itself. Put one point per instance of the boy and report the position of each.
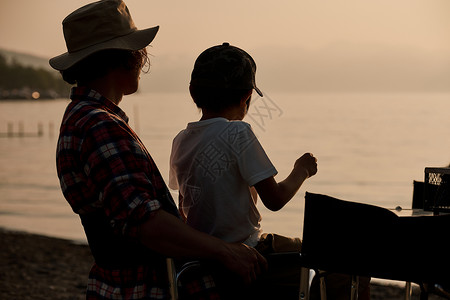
(218, 165)
(217, 162)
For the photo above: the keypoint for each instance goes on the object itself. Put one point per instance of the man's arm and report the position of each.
(168, 235)
(275, 195)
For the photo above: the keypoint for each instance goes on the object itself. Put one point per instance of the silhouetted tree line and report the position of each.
(24, 82)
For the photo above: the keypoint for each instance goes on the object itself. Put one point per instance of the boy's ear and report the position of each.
(246, 97)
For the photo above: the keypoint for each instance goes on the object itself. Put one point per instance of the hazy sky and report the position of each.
(315, 43)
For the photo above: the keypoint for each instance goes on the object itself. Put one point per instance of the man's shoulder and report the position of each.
(86, 112)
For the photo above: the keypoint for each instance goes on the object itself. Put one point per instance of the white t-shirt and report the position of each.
(213, 163)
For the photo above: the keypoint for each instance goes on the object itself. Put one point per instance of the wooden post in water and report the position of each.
(10, 129)
(50, 129)
(21, 129)
(40, 129)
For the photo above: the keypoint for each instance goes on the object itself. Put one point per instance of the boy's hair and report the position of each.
(222, 75)
(216, 99)
(100, 63)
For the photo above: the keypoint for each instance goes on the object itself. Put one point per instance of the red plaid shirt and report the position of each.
(102, 165)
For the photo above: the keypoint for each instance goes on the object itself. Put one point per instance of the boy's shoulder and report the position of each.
(218, 128)
(238, 135)
(217, 123)
(240, 125)
(235, 127)
(215, 134)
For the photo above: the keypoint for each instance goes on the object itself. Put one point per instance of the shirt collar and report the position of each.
(87, 94)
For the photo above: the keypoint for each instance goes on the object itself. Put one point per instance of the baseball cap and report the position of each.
(225, 66)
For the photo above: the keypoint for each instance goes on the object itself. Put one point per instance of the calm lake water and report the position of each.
(370, 148)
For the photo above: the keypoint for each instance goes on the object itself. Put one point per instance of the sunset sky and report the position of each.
(310, 45)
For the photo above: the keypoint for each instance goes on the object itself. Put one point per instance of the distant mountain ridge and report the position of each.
(338, 67)
(26, 76)
(26, 59)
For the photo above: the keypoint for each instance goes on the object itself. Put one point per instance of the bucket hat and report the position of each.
(225, 66)
(97, 26)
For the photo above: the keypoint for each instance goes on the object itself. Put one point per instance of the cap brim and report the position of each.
(258, 91)
(134, 41)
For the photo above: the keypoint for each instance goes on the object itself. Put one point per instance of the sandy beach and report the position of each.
(38, 267)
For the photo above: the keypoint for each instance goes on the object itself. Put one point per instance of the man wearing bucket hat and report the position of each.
(108, 177)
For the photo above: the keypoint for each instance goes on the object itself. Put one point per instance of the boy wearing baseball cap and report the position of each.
(217, 163)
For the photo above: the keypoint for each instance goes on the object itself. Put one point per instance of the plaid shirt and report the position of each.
(102, 165)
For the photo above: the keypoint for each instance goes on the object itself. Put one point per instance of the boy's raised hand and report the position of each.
(275, 195)
(308, 162)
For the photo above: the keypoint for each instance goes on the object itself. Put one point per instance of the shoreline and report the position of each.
(38, 267)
